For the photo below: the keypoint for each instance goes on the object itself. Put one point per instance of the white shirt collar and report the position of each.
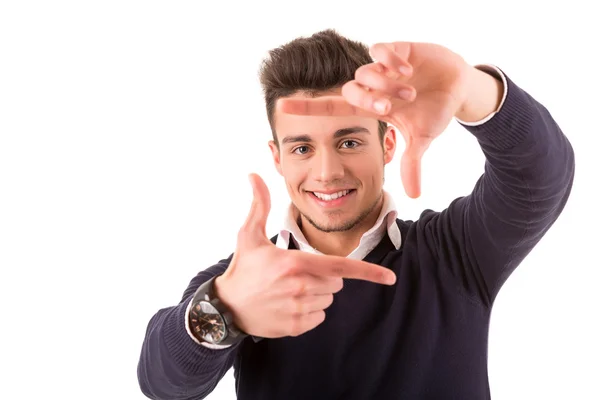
(370, 239)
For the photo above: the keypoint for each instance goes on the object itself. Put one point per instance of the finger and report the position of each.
(379, 102)
(310, 285)
(255, 225)
(368, 100)
(385, 54)
(308, 304)
(342, 267)
(307, 322)
(410, 165)
(374, 77)
(322, 106)
(402, 49)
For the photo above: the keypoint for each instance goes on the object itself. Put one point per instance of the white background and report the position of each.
(128, 129)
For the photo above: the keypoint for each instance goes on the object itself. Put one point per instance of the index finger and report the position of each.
(322, 106)
(342, 267)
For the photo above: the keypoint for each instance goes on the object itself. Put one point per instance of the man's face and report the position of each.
(333, 167)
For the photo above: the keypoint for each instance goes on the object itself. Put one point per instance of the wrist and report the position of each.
(221, 292)
(484, 96)
(210, 320)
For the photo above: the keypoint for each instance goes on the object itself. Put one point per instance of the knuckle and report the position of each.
(289, 264)
(379, 48)
(329, 300)
(329, 107)
(368, 76)
(296, 307)
(386, 53)
(296, 326)
(321, 318)
(349, 90)
(299, 288)
(380, 82)
(338, 285)
(338, 270)
(354, 92)
(361, 72)
(368, 101)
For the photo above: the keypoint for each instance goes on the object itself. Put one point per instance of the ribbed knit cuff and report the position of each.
(511, 125)
(193, 358)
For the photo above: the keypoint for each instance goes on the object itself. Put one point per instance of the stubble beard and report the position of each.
(346, 225)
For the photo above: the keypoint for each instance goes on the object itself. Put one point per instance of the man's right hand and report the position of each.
(274, 292)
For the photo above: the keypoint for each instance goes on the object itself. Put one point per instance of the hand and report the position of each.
(416, 87)
(274, 292)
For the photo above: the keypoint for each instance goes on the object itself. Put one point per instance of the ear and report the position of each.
(389, 144)
(276, 156)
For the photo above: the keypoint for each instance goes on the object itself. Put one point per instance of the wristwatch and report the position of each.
(210, 321)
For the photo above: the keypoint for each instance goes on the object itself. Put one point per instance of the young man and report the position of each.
(412, 319)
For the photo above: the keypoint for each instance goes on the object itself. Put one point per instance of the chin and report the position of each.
(336, 220)
(342, 218)
(325, 225)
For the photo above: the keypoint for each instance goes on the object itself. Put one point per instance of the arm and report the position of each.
(172, 364)
(529, 172)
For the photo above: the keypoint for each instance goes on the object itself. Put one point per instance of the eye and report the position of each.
(353, 144)
(304, 150)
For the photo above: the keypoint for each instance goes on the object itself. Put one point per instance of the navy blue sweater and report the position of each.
(426, 337)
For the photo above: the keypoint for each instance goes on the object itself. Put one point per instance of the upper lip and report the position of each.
(329, 191)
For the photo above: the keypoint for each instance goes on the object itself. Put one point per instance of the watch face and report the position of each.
(207, 323)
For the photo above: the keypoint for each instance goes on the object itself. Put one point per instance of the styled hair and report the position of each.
(311, 65)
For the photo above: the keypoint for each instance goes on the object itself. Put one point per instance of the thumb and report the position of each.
(254, 229)
(410, 165)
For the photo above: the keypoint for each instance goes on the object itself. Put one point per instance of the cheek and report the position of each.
(372, 177)
(293, 175)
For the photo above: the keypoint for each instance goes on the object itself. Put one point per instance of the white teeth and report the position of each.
(333, 196)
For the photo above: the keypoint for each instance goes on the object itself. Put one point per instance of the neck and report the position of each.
(339, 243)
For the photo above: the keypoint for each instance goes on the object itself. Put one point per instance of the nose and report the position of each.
(328, 166)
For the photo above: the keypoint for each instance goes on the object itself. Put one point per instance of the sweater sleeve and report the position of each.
(528, 175)
(172, 365)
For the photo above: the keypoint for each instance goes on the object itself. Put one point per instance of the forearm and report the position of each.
(520, 138)
(528, 176)
(172, 364)
(529, 172)
(525, 142)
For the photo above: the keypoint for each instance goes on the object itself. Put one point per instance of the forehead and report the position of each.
(318, 127)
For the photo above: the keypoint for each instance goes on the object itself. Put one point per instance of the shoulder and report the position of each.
(422, 231)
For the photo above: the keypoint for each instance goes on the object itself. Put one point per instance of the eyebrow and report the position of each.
(338, 134)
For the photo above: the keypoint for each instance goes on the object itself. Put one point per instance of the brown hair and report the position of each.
(324, 61)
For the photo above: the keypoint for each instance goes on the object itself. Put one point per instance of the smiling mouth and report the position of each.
(332, 196)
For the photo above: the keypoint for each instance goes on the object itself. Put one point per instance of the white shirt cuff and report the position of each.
(189, 331)
(494, 71)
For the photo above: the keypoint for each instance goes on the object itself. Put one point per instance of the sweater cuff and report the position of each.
(192, 357)
(511, 125)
